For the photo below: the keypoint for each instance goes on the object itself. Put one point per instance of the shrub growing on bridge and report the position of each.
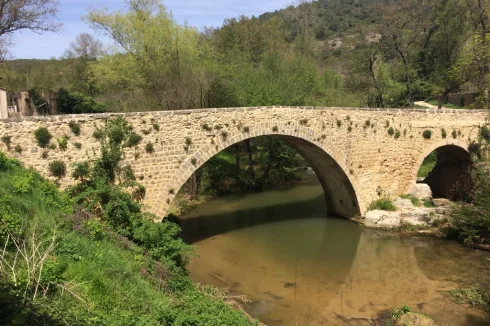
(43, 136)
(384, 204)
(57, 169)
(427, 134)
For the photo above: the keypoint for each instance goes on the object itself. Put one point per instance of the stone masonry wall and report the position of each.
(356, 139)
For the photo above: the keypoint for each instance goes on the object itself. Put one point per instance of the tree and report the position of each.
(86, 47)
(154, 55)
(35, 15)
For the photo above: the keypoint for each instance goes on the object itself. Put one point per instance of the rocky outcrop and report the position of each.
(421, 191)
(409, 214)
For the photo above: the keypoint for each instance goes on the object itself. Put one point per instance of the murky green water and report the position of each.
(301, 268)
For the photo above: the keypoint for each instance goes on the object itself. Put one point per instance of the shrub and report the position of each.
(70, 103)
(443, 133)
(275, 129)
(367, 123)
(339, 123)
(224, 135)
(349, 129)
(57, 169)
(81, 171)
(156, 126)
(384, 204)
(149, 148)
(391, 131)
(133, 140)
(246, 129)
(74, 127)
(18, 148)
(454, 134)
(485, 133)
(397, 134)
(77, 145)
(206, 127)
(398, 312)
(45, 154)
(63, 143)
(188, 141)
(471, 223)
(193, 161)
(3, 161)
(7, 140)
(98, 134)
(427, 134)
(43, 137)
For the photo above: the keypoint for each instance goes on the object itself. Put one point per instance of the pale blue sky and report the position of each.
(198, 13)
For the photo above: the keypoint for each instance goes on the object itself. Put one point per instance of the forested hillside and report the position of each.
(378, 53)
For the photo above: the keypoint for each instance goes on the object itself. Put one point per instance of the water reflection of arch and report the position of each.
(450, 178)
(341, 188)
(320, 251)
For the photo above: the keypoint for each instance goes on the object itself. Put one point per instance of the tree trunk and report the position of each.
(251, 169)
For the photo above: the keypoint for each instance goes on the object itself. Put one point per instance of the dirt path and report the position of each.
(427, 105)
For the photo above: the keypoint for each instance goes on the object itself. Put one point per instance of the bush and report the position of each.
(427, 134)
(57, 169)
(471, 222)
(133, 140)
(398, 312)
(384, 204)
(76, 103)
(63, 143)
(81, 171)
(3, 161)
(43, 137)
(18, 148)
(74, 127)
(77, 145)
(149, 148)
(391, 131)
(7, 140)
(397, 134)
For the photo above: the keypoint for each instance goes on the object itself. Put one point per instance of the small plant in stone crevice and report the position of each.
(146, 132)
(443, 133)
(188, 141)
(303, 122)
(349, 128)
(367, 124)
(194, 161)
(7, 140)
(18, 149)
(45, 154)
(387, 123)
(156, 126)
(206, 127)
(391, 131)
(97, 134)
(186, 149)
(275, 129)
(133, 139)
(427, 134)
(74, 127)
(339, 123)
(218, 127)
(224, 135)
(171, 191)
(57, 169)
(43, 136)
(149, 148)
(63, 143)
(397, 134)
(246, 129)
(77, 145)
(405, 133)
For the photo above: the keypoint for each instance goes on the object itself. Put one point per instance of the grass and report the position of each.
(473, 296)
(415, 201)
(384, 204)
(114, 281)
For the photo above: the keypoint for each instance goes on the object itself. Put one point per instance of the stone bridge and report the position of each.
(358, 154)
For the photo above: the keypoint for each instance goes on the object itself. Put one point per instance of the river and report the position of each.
(299, 267)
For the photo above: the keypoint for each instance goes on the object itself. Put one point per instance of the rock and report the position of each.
(421, 191)
(417, 216)
(382, 219)
(413, 319)
(442, 202)
(401, 203)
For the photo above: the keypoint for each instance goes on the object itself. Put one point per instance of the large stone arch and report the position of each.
(341, 189)
(451, 171)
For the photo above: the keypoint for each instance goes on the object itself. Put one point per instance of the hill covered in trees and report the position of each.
(378, 53)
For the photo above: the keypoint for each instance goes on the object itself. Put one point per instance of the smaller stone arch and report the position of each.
(450, 178)
(312, 146)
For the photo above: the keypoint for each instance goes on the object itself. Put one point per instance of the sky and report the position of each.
(199, 13)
